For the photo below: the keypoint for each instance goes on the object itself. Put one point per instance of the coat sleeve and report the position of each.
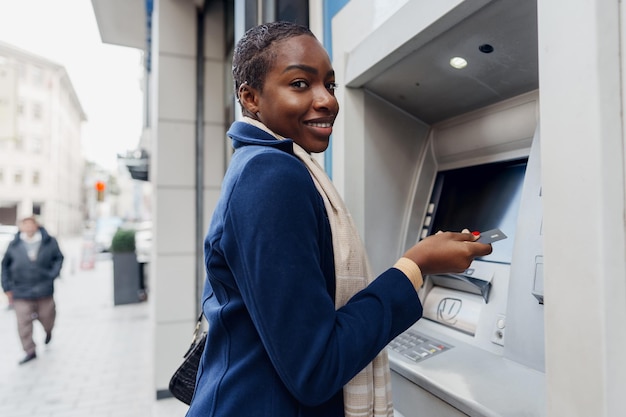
(56, 261)
(272, 243)
(7, 284)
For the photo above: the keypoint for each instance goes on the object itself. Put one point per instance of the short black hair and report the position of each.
(253, 58)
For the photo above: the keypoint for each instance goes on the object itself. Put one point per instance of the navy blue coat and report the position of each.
(276, 345)
(31, 279)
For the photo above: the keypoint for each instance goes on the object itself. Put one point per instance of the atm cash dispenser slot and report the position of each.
(456, 300)
(455, 309)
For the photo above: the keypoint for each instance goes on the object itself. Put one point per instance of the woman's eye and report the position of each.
(300, 84)
(332, 86)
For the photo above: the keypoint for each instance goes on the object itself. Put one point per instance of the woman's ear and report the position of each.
(248, 98)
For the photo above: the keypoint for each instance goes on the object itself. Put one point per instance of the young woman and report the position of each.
(297, 327)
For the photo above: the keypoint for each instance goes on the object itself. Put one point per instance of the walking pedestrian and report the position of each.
(30, 265)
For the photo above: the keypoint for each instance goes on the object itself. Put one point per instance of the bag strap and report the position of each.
(196, 335)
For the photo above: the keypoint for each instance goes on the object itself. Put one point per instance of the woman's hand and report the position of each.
(447, 252)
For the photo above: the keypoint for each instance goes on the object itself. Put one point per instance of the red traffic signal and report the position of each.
(100, 187)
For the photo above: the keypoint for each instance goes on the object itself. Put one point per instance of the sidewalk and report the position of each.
(100, 360)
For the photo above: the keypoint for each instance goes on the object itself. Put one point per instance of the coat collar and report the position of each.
(243, 134)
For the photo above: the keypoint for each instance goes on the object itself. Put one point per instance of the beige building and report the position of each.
(41, 163)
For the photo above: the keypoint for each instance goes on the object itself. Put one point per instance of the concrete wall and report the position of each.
(173, 284)
(582, 129)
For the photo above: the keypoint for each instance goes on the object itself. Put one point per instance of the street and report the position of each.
(100, 360)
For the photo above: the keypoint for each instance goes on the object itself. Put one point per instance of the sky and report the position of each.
(107, 78)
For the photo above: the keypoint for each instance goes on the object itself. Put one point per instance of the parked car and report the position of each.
(105, 229)
(7, 234)
(143, 247)
(143, 241)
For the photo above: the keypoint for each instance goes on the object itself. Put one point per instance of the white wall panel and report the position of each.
(178, 36)
(175, 278)
(177, 91)
(175, 221)
(177, 147)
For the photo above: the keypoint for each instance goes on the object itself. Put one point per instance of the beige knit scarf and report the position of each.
(368, 394)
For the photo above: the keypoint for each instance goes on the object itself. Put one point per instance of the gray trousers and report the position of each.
(26, 311)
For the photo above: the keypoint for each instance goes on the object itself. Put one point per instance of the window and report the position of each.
(19, 142)
(37, 111)
(36, 144)
(293, 10)
(18, 177)
(37, 76)
(36, 178)
(22, 71)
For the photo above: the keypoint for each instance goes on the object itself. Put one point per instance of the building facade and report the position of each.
(41, 163)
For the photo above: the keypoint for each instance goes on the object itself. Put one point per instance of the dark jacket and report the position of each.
(276, 345)
(31, 279)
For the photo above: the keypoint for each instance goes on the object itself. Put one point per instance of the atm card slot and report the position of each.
(463, 283)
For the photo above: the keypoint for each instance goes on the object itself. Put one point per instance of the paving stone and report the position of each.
(99, 363)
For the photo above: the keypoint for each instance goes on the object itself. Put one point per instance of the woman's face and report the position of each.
(298, 98)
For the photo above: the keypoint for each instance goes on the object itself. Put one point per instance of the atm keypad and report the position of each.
(416, 346)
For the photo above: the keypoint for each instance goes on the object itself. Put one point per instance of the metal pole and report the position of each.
(200, 155)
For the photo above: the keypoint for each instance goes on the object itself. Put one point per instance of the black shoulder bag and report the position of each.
(183, 382)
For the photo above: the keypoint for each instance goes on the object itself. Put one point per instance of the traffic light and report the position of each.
(100, 187)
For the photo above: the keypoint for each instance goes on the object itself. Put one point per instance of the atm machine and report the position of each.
(478, 350)
(446, 149)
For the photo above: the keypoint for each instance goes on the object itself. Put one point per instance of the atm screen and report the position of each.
(481, 198)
